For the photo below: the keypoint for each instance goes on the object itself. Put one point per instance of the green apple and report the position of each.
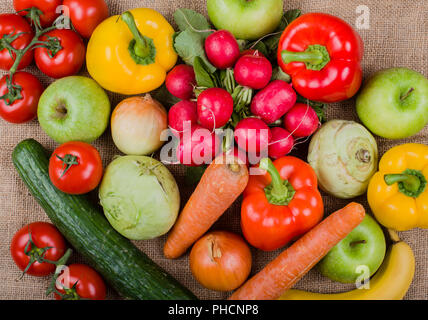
(394, 103)
(74, 109)
(360, 253)
(246, 19)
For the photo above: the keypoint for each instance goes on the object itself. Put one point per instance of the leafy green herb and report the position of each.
(174, 36)
(288, 17)
(242, 97)
(278, 74)
(271, 42)
(242, 44)
(227, 80)
(204, 78)
(261, 47)
(190, 44)
(164, 96)
(187, 18)
(319, 107)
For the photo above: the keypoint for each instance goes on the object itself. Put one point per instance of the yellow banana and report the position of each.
(390, 282)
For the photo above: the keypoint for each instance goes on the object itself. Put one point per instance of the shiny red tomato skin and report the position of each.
(66, 62)
(81, 178)
(48, 7)
(43, 234)
(11, 23)
(25, 109)
(86, 15)
(89, 285)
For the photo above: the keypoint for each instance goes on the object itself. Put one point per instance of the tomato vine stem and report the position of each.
(14, 91)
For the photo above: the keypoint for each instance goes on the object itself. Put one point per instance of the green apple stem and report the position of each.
(280, 192)
(316, 57)
(354, 243)
(411, 182)
(407, 94)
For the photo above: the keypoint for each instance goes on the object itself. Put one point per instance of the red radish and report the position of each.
(281, 143)
(222, 49)
(252, 135)
(252, 52)
(215, 107)
(197, 146)
(180, 81)
(253, 71)
(301, 120)
(181, 112)
(271, 103)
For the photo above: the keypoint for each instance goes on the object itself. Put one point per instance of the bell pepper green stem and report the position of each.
(277, 185)
(312, 57)
(315, 57)
(141, 47)
(279, 192)
(410, 182)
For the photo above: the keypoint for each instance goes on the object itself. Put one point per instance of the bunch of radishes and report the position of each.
(194, 120)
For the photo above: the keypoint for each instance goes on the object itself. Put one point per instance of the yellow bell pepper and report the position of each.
(398, 193)
(131, 54)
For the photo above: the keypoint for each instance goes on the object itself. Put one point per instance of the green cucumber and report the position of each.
(128, 270)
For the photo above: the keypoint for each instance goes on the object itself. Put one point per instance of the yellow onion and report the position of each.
(220, 261)
(137, 124)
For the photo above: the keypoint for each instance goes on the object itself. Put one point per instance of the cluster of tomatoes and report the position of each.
(58, 51)
(37, 33)
(39, 247)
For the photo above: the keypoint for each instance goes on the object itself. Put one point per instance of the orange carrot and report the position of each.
(219, 187)
(292, 264)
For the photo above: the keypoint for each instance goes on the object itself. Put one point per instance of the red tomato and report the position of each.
(24, 109)
(43, 235)
(87, 283)
(11, 24)
(86, 15)
(65, 62)
(75, 167)
(48, 8)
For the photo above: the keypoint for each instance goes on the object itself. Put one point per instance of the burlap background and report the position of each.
(398, 36)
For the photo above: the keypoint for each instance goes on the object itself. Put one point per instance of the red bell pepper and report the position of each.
(281, 204)
(322, 54)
